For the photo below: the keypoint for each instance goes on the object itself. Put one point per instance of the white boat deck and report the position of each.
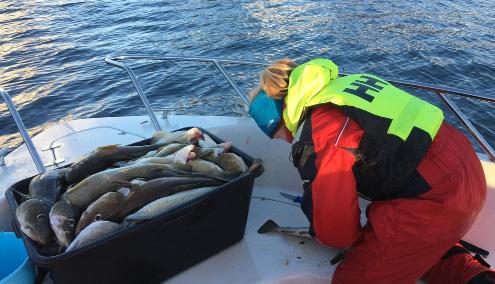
(270, 258)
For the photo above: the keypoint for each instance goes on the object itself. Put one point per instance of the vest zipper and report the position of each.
(342, 131)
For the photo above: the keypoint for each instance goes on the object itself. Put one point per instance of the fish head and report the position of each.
(87, 218)
(33, 218)
(103, 208)
(185, 154)
(63, 228)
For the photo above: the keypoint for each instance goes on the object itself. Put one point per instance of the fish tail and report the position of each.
(226, 146)
(257, 168)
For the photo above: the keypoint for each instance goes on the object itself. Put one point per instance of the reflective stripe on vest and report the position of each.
(315, 83)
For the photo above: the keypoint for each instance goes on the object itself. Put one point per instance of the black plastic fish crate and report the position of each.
(155, 250)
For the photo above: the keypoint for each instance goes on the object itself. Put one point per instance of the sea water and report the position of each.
(51, 52)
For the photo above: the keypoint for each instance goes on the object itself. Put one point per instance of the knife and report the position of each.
(293, 198)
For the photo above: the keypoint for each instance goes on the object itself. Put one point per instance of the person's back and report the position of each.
(427, 189)
(421, 228)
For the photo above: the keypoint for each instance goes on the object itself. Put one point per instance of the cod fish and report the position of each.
(47, 185)
(181, 156)
(104, 208)
(93, 232)
(185, 137)
(143, 193)
(165, 204)
(204, 166)
(271, 226)
(104, 157)
(230, 162)
(63, 218)
(92, 187)
(33, 218)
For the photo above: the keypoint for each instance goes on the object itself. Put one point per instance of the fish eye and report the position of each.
(41, 217)
(98, 217)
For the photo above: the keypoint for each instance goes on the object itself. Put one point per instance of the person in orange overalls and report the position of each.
(359, 135)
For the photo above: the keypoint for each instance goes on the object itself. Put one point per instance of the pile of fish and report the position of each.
(118, 186)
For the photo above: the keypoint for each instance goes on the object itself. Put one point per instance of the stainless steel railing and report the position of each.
(24, 133)
(441, 92)
(118, 61)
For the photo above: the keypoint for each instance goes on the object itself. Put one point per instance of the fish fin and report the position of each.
(127, 223)
(23, 196)
(132, 191)
(135, 218)
(267, 227)
(108, 147)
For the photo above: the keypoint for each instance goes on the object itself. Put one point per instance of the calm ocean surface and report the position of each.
(51, 52)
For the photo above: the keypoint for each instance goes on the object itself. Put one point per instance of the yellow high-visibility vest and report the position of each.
(316, 82)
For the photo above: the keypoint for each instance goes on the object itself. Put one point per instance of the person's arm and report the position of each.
(335, 206)
(331, 197)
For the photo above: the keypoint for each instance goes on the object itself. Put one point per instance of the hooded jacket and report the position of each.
(398, 127)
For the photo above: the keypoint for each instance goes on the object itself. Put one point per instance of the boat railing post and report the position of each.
(139, 90)
(469, 126)
(24, 133)
(231, 81)
(3, 153)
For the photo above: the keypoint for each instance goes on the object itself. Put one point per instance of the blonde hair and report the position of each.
(274, 80)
